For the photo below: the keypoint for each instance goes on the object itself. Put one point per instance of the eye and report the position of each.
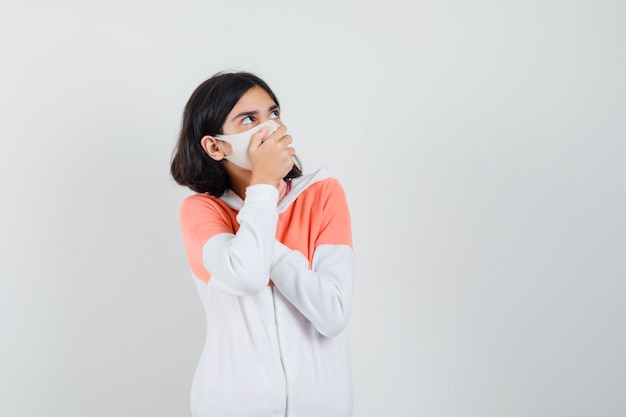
(246, 120)
(275, 114)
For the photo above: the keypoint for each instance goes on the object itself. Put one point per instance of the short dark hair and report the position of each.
(205, 114)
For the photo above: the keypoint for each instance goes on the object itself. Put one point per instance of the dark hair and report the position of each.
(205, 114)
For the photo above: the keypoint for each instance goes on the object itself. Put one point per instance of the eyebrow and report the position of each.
(254, 112)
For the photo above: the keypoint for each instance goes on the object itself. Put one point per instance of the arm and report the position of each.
(238, 263)
(321, 289)
(323, 294)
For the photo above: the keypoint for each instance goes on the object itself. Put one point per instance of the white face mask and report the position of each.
(241, 141)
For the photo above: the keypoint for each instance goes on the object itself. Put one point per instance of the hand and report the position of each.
(270, 157)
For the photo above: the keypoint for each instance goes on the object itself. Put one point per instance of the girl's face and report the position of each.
(253, 108)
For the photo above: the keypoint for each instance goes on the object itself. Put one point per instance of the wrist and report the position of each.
(263, 180)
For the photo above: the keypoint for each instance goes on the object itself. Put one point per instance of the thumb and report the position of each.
(257, 138)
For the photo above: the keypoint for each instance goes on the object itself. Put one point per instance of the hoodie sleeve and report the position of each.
(321, 289)
(233, 261)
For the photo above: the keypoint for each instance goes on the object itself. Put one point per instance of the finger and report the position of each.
(257, 138)
(286, 140)
(278, 134)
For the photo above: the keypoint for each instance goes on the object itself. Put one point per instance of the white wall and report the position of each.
(481, 145)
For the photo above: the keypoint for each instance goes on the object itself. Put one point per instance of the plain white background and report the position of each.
(480, 143)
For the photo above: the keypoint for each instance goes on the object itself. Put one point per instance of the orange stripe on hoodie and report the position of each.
(319, 216)
(201, 218)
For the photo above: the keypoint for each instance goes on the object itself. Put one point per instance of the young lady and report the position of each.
(270, 250)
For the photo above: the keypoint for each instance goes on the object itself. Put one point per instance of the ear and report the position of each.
(212, 147)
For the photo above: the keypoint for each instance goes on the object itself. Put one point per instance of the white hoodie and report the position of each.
(275, 278)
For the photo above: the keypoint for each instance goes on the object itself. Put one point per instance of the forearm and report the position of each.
(322, 294)
(240, 263)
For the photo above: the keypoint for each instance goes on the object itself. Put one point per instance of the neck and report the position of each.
(239, 178)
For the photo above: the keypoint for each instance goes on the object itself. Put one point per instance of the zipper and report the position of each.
(280, 352)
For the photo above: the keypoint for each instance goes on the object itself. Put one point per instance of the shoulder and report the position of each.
(327, 194)
(322, 180)
(197, 200)
(200, 204)
(316, 182)
(326, 186)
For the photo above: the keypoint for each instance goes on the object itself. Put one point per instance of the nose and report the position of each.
(268, 118)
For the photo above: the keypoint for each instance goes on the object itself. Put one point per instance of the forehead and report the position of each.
(256, 98)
